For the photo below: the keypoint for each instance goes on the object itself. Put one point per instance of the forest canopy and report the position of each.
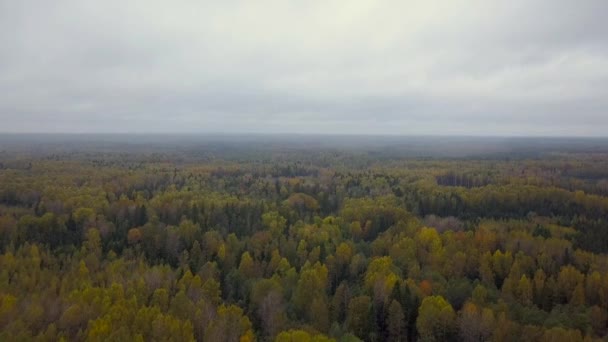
(271, 239)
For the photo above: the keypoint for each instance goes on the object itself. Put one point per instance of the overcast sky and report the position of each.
(519, 67)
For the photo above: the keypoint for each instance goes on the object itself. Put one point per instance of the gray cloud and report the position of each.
(397, 67)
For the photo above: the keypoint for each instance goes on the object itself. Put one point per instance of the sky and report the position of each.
(514, 68)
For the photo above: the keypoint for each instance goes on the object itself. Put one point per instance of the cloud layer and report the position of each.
(376, 67)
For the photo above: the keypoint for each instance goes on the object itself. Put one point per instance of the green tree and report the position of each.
(436, 319)
(359, 316)
(396, 323)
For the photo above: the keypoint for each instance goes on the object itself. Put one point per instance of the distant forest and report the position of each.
(302, 238)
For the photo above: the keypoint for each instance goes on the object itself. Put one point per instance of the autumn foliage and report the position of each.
(168, 246)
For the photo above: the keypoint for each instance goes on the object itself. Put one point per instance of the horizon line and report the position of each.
(303, 134)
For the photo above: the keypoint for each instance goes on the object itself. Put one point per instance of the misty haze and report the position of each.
(327, 171)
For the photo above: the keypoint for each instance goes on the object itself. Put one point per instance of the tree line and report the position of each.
(158, 248)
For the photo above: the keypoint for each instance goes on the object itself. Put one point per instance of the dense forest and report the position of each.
(304, 241)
